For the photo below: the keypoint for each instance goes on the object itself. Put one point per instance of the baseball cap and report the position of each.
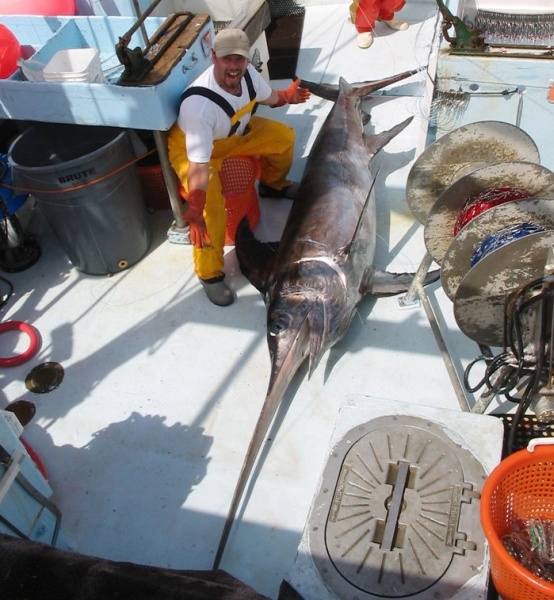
(231, 41)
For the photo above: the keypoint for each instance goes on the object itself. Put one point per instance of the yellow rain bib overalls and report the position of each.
(271, 141)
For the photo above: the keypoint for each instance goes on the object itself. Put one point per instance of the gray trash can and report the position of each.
(86, 182)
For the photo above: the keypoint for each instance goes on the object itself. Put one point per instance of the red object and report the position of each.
(19, 359)
(238, 175)
(364, 13)
(37, 7)
(153, 184)
(520, 487)
(10, 51)
(35, 458)
(486, 200)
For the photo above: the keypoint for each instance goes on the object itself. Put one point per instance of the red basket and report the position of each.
(156, 196)
(520, 487)
(238, 175)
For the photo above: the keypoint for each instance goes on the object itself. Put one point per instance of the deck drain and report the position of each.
(44, 378)
(397, 514)
(23, 410)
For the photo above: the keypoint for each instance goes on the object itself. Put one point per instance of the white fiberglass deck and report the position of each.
(145, 437)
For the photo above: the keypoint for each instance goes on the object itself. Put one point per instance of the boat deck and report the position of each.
(145, 437)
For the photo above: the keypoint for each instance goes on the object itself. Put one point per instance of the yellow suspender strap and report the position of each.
(243, 111)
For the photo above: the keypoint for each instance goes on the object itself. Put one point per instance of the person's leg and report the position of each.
(387, 12)
(363, 14)
(273, 143)
(208, 261)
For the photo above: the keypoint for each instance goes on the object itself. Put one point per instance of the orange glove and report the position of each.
(292, 95)
(197, 226)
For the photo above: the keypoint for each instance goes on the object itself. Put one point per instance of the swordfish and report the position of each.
(314, 279)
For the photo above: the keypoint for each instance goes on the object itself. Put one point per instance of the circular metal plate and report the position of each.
(439, 227)
(481, 297)
(390, 519)
(457, 259)
(460, 152)
(44, 378)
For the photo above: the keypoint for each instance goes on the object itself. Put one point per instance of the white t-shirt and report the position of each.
(204, 121)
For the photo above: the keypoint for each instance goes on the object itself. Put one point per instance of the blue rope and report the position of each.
(502, 237)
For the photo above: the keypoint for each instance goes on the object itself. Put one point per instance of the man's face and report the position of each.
(229, 71)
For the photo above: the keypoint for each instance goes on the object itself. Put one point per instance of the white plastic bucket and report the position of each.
(75, 64)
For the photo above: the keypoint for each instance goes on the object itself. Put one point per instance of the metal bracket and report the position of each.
(162, 51)
(417, 291)
(465, 38)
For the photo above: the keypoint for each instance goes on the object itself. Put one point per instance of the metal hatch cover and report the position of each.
(397, 514)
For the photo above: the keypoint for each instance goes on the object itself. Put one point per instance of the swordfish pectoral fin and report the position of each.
(255, 257)
(384, 283)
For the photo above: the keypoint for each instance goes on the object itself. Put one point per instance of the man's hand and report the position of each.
(197, 225)
(294, 94)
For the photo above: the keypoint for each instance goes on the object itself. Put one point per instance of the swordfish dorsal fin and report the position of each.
(374, 143)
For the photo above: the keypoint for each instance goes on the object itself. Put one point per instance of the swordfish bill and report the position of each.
(323, 264)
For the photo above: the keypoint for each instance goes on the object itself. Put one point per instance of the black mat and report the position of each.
(527, 429)
(284, 35)
(36, 571)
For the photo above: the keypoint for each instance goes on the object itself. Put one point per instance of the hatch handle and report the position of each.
(395, 507)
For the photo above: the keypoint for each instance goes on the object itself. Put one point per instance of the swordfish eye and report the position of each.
(279, 324)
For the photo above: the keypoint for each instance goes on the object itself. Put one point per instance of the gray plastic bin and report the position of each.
(87, 184)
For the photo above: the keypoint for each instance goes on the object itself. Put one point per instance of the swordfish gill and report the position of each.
(323, 264)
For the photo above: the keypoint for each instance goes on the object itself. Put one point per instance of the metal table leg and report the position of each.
(178, 233)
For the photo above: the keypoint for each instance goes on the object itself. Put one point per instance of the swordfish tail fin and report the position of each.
(330, 91)
(363, 90)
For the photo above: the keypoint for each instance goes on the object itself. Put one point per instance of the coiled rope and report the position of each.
(503, 237)
(486, 200)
